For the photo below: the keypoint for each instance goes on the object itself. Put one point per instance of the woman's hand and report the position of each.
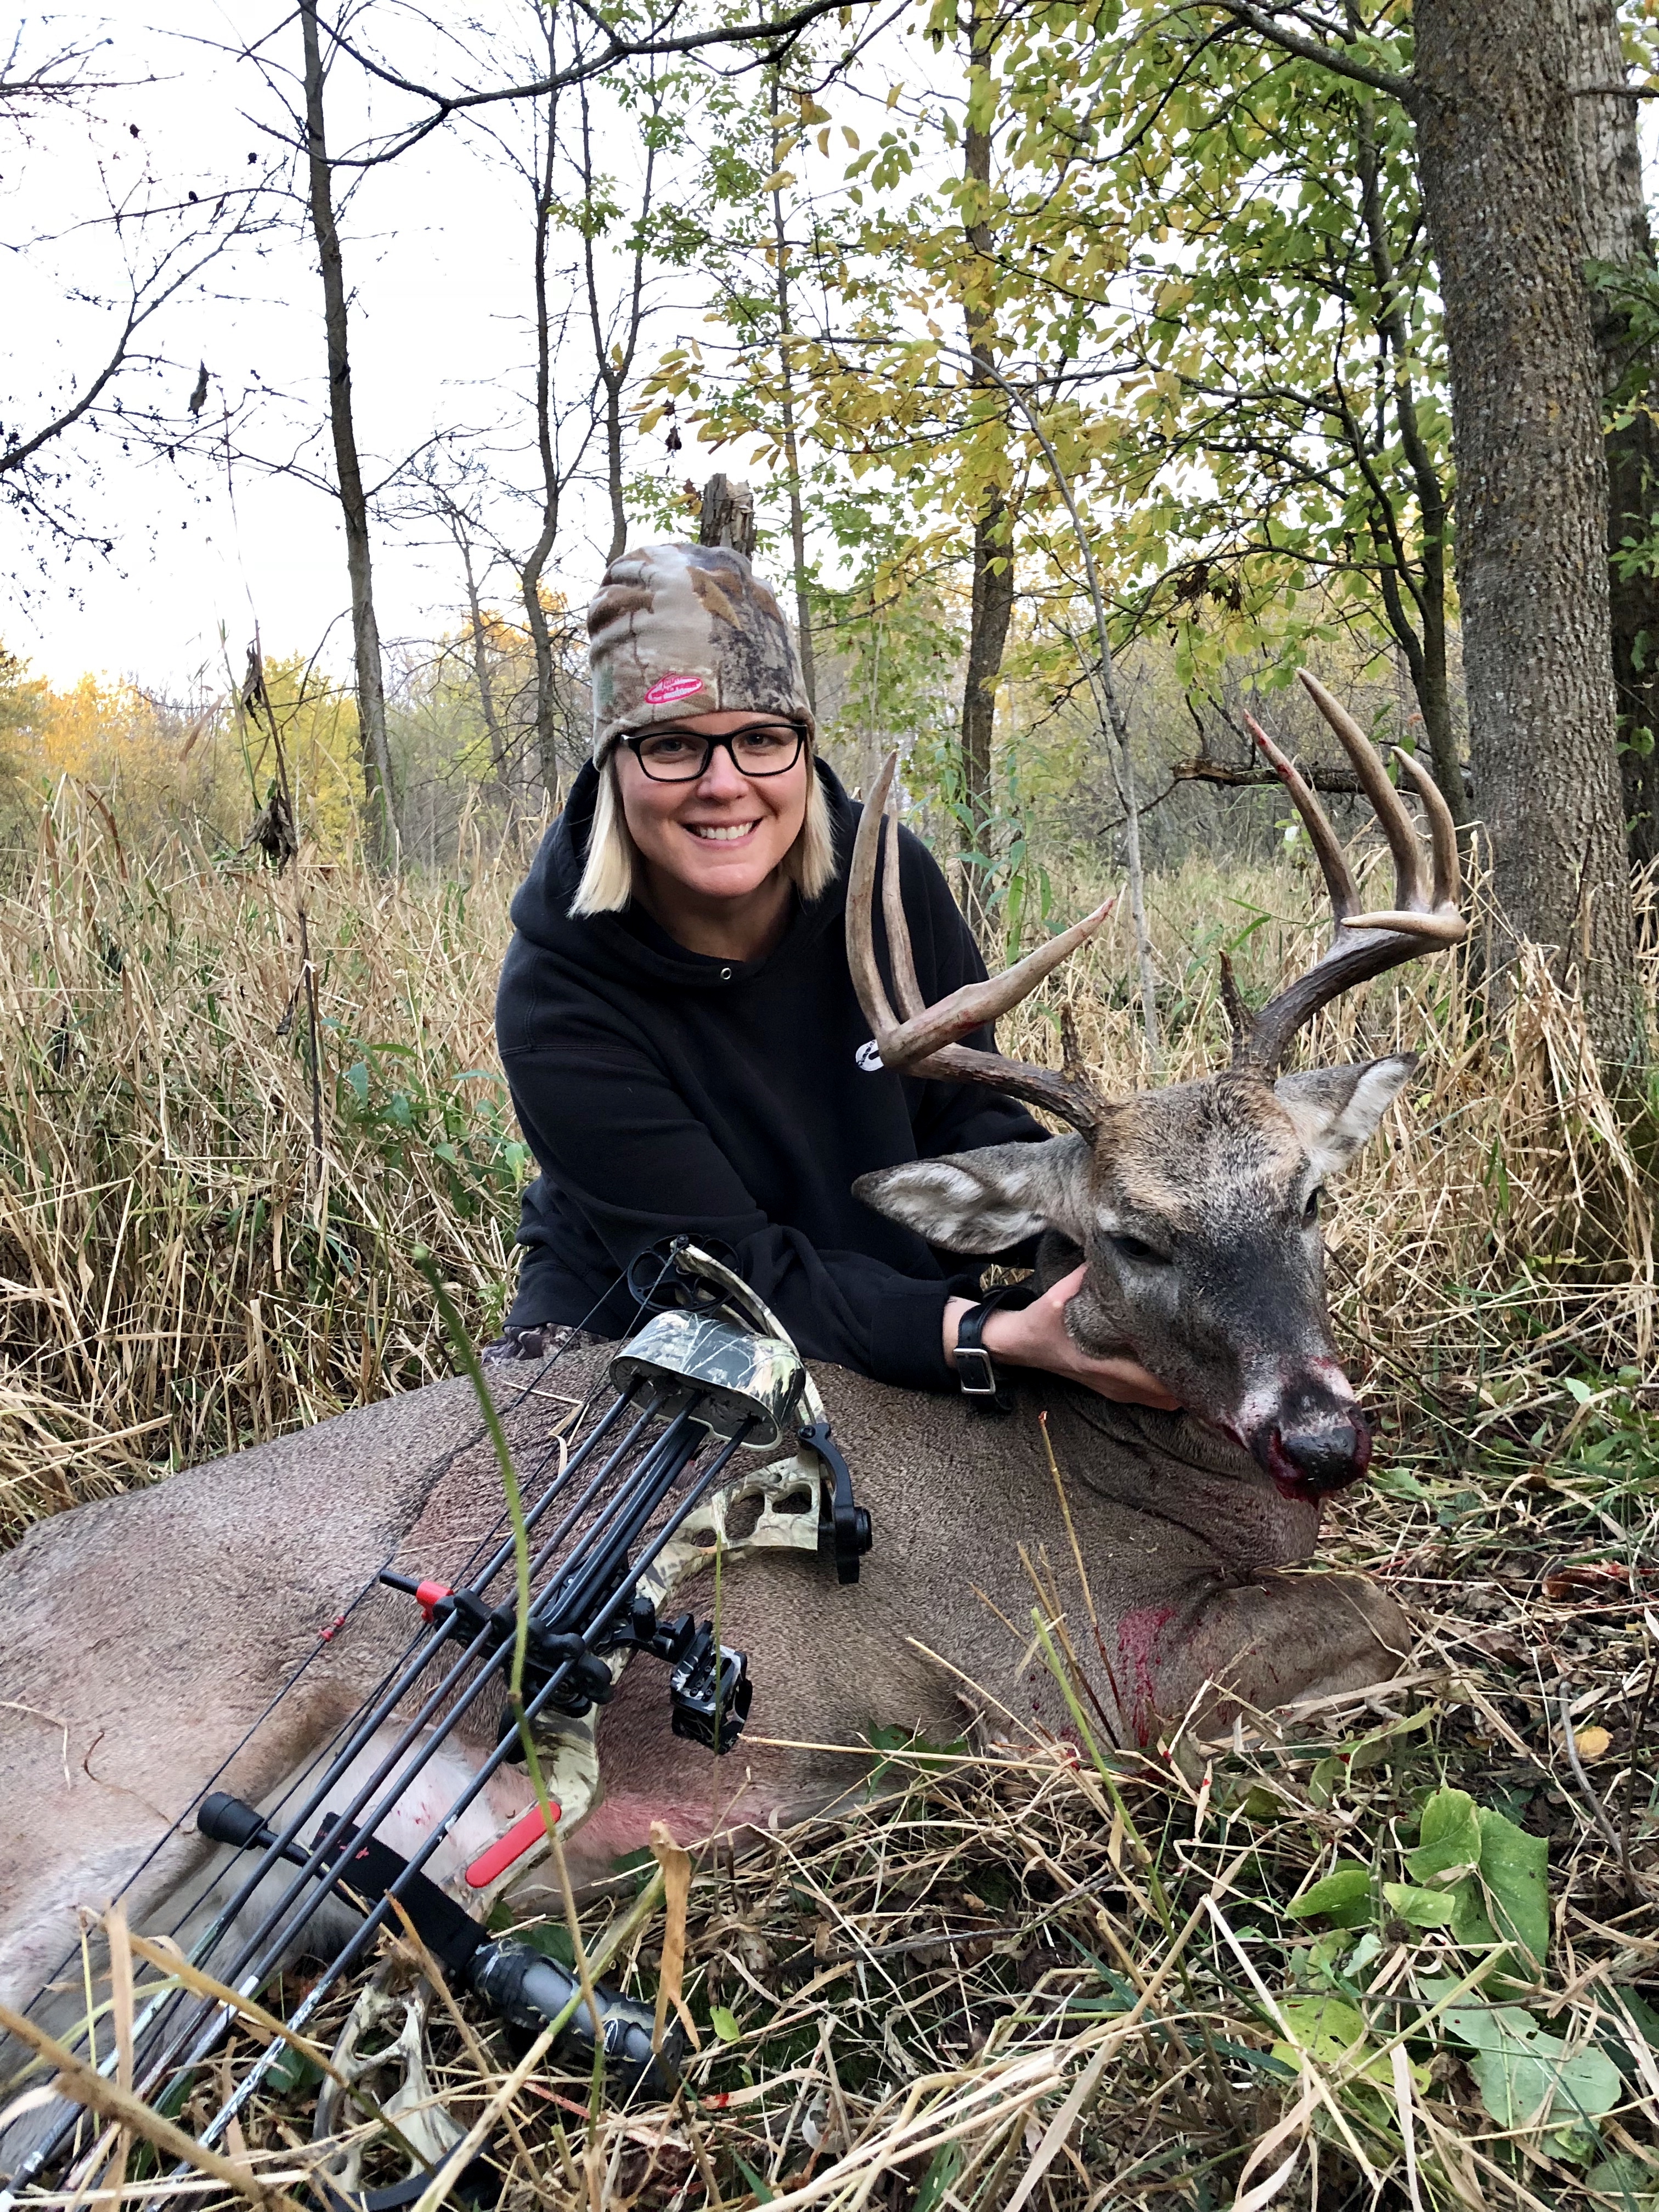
(1036, 1336)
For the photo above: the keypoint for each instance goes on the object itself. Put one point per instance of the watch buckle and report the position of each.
(977, 1362)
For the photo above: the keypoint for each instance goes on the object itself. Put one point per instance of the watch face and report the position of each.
(974, 1373)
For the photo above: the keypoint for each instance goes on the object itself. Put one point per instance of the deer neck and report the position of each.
(1178, 1468)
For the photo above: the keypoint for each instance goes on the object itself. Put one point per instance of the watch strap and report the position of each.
(976, 1372)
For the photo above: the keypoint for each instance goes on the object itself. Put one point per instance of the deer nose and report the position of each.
(1308, 1459)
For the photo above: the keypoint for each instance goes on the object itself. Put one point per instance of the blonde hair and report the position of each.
(608, 880)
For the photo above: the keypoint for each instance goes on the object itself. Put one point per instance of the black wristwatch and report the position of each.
(976, 1372)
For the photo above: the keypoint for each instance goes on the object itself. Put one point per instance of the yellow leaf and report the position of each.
(778, 181)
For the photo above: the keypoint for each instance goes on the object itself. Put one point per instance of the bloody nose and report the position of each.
(1307, 1461)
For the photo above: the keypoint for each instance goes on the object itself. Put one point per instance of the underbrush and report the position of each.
(208, 1199)
(1401, 1951)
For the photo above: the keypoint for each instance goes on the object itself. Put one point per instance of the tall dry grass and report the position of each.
(184, 1268)
(1030, 1977)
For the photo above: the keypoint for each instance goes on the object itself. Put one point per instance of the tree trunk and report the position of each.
(726, 516)
(614, 365)
(530, 576)
(1424, 642)
(493, 731)
(1495, 142)
(791, 454)
(992, 601)
(1616, 234)
(378, 789)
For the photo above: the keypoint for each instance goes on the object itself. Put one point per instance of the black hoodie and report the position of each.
(662, 1091)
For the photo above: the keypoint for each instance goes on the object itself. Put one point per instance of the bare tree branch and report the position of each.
(774, 37)
(149, 294)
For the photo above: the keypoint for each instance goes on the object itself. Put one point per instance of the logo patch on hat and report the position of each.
(667, 688)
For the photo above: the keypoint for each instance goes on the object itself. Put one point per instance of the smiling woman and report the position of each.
(678, 1023)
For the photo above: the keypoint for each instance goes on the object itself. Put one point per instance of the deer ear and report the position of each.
(985, 1201)
(1336, 1109)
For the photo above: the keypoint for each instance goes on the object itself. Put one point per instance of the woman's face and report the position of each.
(721, 836)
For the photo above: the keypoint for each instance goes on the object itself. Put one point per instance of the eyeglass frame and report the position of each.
(635, 739)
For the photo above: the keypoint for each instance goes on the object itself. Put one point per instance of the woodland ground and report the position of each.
(1032, 1977)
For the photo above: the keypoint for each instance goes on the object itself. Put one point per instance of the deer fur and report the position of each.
(147, 1632)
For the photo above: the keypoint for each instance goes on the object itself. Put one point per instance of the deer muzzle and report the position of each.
(1314, 1448)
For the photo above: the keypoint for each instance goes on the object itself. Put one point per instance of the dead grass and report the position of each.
(1029, 1977)
(184, 1268)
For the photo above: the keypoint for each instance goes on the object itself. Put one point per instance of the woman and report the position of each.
(679, 1028)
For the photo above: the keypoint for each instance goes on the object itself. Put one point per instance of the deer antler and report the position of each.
(1421, 920)
(924, 1042)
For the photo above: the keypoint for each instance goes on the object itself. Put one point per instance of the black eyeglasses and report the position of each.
(683, 755)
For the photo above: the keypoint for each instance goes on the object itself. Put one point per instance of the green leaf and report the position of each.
(725, 2024)
(1419, 1908)
(1449, 1840)
(552, 1940)
(1259, 1803)
(1514, 1873)
(1328, 2029)
(1345, 1898)
(763, 2193)
(1526, 2078)
(1631, 2184)
(1643, 2017)
(942, 2170)
(1327, 1779)
(292, 2070)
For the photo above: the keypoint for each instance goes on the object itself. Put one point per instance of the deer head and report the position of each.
(1195, 1209)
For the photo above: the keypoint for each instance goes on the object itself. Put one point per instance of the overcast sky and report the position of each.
(437, 252)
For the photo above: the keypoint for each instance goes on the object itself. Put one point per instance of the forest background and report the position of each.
(1092, 367)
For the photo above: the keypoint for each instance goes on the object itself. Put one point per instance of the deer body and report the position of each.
(147, 1634)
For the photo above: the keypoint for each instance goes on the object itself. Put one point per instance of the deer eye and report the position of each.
(1135, 1248)
(1310, 1211)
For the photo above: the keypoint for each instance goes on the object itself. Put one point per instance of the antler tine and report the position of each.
(1390, 809)
(925, 1042)
(1443, 831)
(860, 892)
(899, 949)
(1333, 860)
(1364, 945)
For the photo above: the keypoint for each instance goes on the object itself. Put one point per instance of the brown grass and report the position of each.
(1023, 1972)
(184, 1270)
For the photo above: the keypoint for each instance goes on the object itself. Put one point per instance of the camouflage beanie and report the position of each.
(677, 631)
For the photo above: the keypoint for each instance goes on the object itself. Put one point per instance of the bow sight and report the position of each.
(610, 1536)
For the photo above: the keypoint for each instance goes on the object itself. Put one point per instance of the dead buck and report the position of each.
(146, 1634)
